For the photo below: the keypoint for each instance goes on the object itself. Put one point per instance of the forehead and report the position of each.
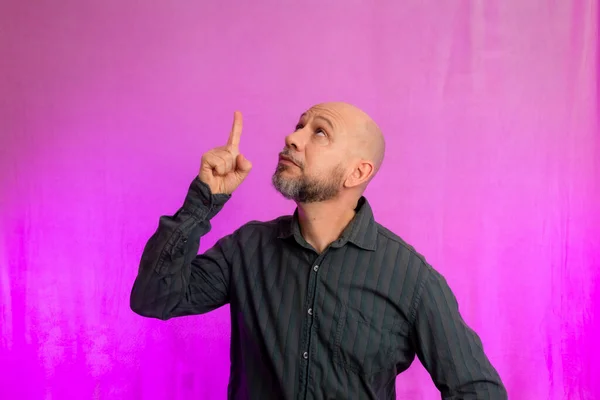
(324, 110)
(329, 115)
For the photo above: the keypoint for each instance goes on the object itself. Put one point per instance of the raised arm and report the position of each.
(448, 348)
(172, 279)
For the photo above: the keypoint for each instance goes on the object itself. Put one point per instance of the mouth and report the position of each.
(286, 160)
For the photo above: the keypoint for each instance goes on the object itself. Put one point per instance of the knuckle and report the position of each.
(208, 159)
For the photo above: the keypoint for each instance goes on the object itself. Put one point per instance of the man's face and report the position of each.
(313, 165)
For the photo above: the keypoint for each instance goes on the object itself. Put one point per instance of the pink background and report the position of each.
(490, 109)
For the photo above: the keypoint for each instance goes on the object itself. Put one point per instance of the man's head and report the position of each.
(335, 150)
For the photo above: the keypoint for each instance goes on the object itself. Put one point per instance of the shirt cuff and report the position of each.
(201, 203)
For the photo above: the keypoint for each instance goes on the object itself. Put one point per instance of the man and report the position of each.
(326, 303)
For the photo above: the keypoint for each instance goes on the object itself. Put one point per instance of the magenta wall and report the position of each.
(493, 172)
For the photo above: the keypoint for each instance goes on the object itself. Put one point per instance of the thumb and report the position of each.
(243, 166)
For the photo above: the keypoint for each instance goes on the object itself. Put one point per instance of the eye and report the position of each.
(321, 132)
(299, 126)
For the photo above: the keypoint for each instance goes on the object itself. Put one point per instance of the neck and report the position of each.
(322, 223)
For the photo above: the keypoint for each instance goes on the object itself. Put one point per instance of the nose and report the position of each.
(294, 141)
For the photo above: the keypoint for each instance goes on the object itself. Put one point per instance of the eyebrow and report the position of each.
(327, 121)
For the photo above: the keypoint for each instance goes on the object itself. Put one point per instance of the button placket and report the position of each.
(311, 319)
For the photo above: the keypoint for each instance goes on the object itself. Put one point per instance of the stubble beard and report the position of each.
(304, 189)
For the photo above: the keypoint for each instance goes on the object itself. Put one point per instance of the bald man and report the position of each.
(325, 303)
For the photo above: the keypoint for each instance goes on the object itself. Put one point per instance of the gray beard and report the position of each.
(307, 190)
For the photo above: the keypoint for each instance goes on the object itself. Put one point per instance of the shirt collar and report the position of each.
(362, 230)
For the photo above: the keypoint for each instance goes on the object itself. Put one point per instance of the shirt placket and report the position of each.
(307, 337)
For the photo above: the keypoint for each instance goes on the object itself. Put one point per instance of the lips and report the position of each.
(288, 159)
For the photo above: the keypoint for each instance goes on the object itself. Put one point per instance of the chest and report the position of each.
(346, 283)
(345, 304)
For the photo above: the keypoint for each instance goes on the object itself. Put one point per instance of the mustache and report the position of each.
(288, 154)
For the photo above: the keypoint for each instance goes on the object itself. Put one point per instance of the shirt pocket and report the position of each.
(366, 345)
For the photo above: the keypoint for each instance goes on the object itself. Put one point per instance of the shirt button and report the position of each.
(305, 355)
(316, 268)
(310, 311)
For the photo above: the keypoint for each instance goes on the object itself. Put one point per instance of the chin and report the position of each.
(285, 169)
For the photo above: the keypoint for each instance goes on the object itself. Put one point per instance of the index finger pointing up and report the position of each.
(236, 130)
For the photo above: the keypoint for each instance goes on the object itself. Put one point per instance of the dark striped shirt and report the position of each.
(337, 325)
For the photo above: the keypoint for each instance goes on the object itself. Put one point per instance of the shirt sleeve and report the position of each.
(173, 280)
(448, 348)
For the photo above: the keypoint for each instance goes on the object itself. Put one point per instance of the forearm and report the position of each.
(165, 269)
(491, 389)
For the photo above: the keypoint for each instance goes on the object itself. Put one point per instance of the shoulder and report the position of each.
(264, 229)
(428, 285)
(414, 263)
(386, 237)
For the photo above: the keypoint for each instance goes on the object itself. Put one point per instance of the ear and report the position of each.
(362, 172)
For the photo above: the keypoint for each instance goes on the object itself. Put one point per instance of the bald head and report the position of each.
(365, 139)
(333, 153)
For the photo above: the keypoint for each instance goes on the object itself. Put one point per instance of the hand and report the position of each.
(224, 168)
